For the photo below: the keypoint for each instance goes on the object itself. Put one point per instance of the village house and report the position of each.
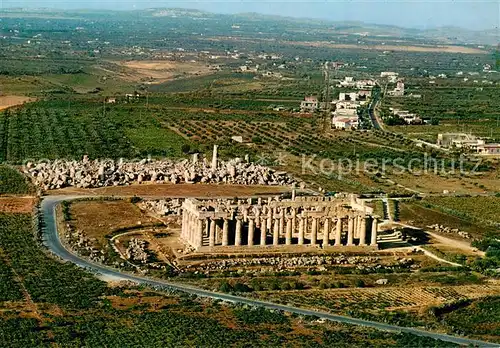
(399, 91)
(309, 104)
(345, 123)
(409, 118)
(489, 149)
(467, 142)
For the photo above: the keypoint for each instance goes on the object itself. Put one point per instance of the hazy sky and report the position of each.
(474, 14)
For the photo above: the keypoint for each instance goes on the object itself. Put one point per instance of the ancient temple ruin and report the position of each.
(218, 224)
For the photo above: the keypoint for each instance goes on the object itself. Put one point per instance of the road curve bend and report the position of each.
(52, 241)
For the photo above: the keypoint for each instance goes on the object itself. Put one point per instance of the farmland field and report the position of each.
(483, 209)
(13, 182)
(64, 305)
(423, 215)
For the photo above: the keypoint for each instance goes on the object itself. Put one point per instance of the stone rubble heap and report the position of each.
(100, 173)
(136, 251)
(289, 262)
(163, 207)
(444, 229)
(83, 245)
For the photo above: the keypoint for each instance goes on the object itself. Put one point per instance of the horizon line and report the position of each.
(251, 12)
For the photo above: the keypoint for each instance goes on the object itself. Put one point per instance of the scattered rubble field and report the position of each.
(12, 100)
(16, 204)
(175, 191)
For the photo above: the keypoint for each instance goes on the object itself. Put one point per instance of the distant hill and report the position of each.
(443, 35)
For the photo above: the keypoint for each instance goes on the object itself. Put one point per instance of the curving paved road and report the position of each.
(52, 241)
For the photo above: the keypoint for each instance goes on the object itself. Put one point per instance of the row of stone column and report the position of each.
(333, 229)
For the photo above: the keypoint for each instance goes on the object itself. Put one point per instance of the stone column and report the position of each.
(362, 236)
(225, 233)
(314, 230)
(374, 232)
(301, 230)
(188, 228)
(306, 227)
(237, 240)
(214, 158)
(294, 220)
(282, 222)
(350, 232)
(355, 227)
(263, 231)
(288, 236)
(211, 237)
(207, 227)
(183, 227)
(251, 230)
(199, 233)
(276, 232)
(338, 232)
(326, 232)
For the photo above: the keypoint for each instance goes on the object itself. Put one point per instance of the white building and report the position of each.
(489, 149)
(309, 104)
(388, 74)
(399, 91)
(345, 122)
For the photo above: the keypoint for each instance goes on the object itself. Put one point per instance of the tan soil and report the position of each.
(13, 100)
(161, 70)
(17, 204)
(179, 190)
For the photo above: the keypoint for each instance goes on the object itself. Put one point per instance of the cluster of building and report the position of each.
(345, 115)
(408, 117)
(349, 82)
(468, 142)
(344, 110)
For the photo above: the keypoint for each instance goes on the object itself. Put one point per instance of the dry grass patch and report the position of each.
(161, 70)
(8, 101)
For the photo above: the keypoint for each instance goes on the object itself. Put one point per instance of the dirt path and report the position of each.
(449, 242)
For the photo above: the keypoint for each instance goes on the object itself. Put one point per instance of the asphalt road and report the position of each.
(371, 112)
(52, 242)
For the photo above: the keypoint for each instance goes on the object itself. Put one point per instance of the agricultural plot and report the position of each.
(422, 216)
(458, 108)
(59, 130)
(72, 308)
(45, 279)
(13, 182)
(480, 317)
(452, 103)
(381, 299)
(9, 289)
(484, 210)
